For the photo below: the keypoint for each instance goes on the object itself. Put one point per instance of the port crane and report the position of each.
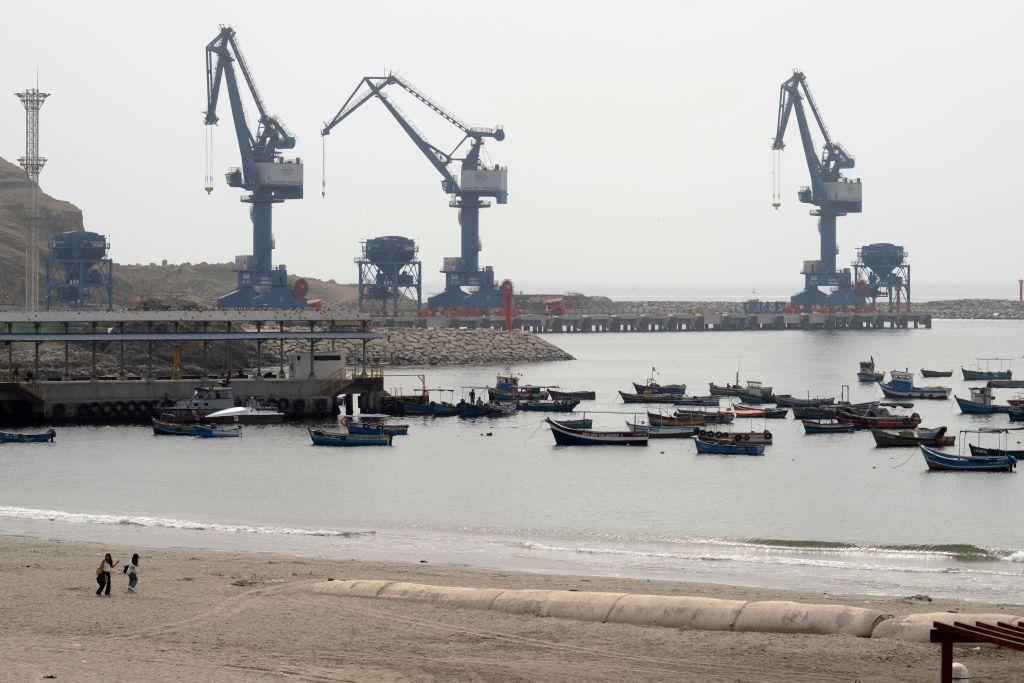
(467, 192)
(830, 192)
(264, 174)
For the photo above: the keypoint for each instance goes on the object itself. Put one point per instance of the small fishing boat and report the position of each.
(646, 397)
(981, 402)
(821, 427)
(656, 432)
(709, 417)
(16, 437)
(979, 373)
(885, 438)
(581, 423)
(788, 401)
(323, 437)
(548, 406)
(701, 401)
(937, 460)
(559, 395)
(167, 428)
(867, 372)
(763, 437)
(723, 448)
(567, 436)
(466, 409)
(652, 387)
(743, 410)
(901, 385)
(659, 420)
(936, 373)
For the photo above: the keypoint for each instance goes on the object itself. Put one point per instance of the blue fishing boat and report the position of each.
(727, 447)
(322, 437)
(824, 427)
(566, 436)
(937, 460)
(657, 432)
(981, 402)
(15, 437)
(901, 385)
(548, 406)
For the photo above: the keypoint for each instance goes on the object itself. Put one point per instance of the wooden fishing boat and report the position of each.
(763, 437)
(937, 460)
(720, 448)
(901, 385)
(580, 423)
(885, 438)
(16, 437)
(323, 437)
(559, 395)
(743, 410)
(377, 428)
(699, 401)
(936, 373)
(467, 409)
(548, 406)
(567, 436)
(879, 421)
(659, 420)
(661, 432)
(646, 398)
(166, 428)
(652, 387)
(867, 372)
(710, 417)
(788, 401)
(820, 427)
(981, 402)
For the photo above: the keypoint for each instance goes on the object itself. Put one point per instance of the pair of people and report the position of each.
(105, 568)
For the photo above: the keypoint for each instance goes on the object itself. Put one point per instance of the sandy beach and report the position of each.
(201, 615)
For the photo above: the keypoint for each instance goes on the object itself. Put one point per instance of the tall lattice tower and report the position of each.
(33, 100)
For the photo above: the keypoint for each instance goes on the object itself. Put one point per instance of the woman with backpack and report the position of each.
(103, 573)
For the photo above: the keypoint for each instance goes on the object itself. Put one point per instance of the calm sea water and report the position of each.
(829, 513)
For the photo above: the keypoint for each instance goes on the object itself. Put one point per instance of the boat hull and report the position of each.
(564, 436)
(938, 461)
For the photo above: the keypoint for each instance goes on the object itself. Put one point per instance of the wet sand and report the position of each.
(201, 615)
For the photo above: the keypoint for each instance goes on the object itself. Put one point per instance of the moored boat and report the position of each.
(886, 438)
(822, 427)
(936, 373)
(937, 460)
(727, 448)
(548, 406)
(657, 432)
(17, 437)
(901, 385)
(567, 436)
(559, 395)
(323, 437)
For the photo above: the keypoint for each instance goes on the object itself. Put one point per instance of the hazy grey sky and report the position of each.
(638, 133)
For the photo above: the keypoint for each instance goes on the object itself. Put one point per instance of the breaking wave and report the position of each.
(12, 512)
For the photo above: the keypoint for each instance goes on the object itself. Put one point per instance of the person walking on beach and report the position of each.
(103, 573)
(132, 570)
